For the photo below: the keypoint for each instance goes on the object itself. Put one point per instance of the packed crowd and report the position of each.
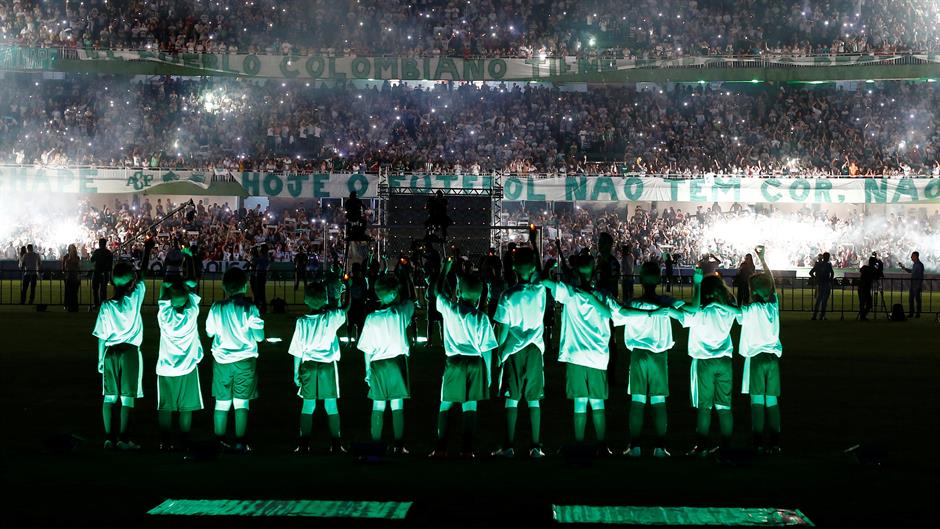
(649, 29)
(219, 233)
(858, 129)
(214, 231)
(798, 237)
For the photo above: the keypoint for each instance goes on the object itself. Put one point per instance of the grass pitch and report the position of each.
(844, 383)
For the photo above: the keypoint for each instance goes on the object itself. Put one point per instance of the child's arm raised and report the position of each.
(760, 255)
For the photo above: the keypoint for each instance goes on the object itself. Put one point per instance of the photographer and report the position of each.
(866, 283)
(917, 285)
(822, 274)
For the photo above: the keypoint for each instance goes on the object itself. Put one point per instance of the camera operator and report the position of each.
(822, 274)
(866, 282)
(917, 285)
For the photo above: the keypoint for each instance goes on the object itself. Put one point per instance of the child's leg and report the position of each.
(241, 419)
(332, 417)
(306, 420)
(773, 420)
(758, 404)
(725, 422)
(659, 419)
(469, 425)
(442, 414)
(186, 424)
(127, 404)
(512, 413)
(165, 419)
(637, 411)
(703, 424)
(220, 418)
(599, 416)
(398, 420)
(535, 417)
(378, 418)
(580, 418)
(107, 409)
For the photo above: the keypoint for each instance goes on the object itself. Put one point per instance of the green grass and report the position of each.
(844, 382)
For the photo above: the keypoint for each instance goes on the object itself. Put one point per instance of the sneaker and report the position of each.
(633, 451)
(437, 454)
(167, 447)
(469, 454)
(536, 452)
(400, 451)
(127, 445)
(661, 452)
(108, 444)
(699, 451)
(224, 446)
(336, 447)
(603, 450)
(302, 449)
(505, 452)
(773, 450)
(241, 449)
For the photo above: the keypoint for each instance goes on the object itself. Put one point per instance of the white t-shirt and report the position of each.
(315, 336)
(236, 328)
(180, 348)
(466, 331)
(119, 320)
(710, 331)
(522, 310)
(642, 331)
(384, 333)
(585, 332)
(760, 329)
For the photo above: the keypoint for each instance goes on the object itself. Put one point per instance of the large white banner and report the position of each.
(514, 189)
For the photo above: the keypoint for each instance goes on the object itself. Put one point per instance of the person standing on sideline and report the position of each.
(104, 262)
(917, 285)
(29, 265)
(71, 264)
(823, 274)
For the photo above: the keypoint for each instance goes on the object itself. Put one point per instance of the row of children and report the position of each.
(471, 346)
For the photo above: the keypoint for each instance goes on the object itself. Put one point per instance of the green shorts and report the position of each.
(762, 375)
(523, 375)
(711, 382)
(389, 379)
(649, 373)
(237, 380)
(583, 382)
(179, 393)
(122, 371)
(464, 379)
(318, 380)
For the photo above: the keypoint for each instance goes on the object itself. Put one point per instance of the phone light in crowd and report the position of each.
(273, 340)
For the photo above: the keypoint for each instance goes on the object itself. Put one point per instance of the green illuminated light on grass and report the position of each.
(387, 510)
(625, 515)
